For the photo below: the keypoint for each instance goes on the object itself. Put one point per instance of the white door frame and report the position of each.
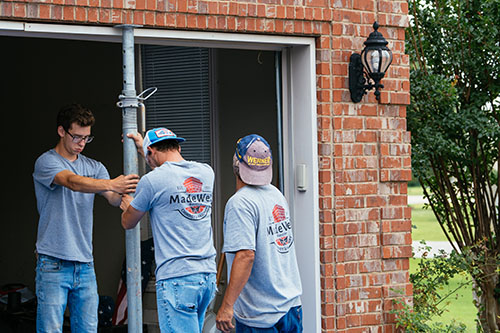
(299, 123)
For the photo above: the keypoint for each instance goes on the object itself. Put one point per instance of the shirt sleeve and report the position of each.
(46, 168)
(143, 195)
(102, 172)
(240, 226)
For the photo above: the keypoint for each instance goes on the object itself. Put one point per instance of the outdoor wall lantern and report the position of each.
(372, 64)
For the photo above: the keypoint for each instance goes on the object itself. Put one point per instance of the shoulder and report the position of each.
(203, 166)
(90, 162)
(275, 194)
(50, 157)
(203, 170)
(146, 178)
(258, 196)
(145, 184)
(154, 178)
(243, 197)
(273, 189)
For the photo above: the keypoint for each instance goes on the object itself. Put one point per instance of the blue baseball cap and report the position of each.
(158, 134)
(255, 161)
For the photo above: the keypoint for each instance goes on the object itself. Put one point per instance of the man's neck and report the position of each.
(169, 156)
(59, 148)
(239, 183)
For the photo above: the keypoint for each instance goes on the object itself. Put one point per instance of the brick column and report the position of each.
(364, 167)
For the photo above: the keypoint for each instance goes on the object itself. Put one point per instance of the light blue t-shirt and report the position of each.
(66, 216)
(258, 218)
(178, 196)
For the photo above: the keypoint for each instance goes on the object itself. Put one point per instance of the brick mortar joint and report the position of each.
(144, 25)
(173, 12)
(331, 9)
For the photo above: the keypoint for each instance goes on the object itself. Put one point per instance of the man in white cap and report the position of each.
(264, 287)
(178, 195)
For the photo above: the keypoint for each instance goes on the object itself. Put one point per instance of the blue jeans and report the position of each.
(183, 301)
(60, 283)
(291, 322)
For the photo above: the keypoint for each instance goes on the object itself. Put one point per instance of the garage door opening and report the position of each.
(42, 74)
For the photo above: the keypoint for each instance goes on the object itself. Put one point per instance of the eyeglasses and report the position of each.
(79, 138)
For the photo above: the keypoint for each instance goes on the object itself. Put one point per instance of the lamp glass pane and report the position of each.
(369, 60)
(363, 60)
(386, 60)
(375, 61)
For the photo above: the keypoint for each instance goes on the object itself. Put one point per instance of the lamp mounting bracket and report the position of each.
(357, 78)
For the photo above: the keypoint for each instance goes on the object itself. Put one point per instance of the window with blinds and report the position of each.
(182, 102)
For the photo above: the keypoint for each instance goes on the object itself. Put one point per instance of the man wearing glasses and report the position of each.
(65, 185)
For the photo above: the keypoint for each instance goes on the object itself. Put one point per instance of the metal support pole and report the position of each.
(129, 104)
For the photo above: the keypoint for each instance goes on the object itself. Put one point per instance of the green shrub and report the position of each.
(430, 298)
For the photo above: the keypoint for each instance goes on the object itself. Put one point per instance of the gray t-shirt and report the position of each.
(178, 196)
(258, 218)
(66, 216)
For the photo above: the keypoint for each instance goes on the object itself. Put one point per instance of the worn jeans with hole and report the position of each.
(183, 302)
(60, 283)
(291, 322)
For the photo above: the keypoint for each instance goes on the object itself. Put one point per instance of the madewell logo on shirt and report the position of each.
(194, 203)
(279, 229)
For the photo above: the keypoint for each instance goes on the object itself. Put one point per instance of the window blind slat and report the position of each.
(182, 102)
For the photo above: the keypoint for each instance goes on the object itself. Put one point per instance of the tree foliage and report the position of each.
(454, 118)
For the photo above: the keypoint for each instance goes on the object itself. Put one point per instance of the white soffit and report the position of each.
(153, 36)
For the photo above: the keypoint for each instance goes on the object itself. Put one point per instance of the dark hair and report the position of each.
(74, 113)
(166, 145)
(236, 165)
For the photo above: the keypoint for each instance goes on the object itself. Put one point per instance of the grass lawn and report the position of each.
(415, 190)
(425, 225)
(460, 305)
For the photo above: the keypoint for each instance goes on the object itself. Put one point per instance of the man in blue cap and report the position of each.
(178, 195)
(264, 287)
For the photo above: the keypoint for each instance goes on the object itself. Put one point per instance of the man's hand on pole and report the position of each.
(126, 200)
(138, 142)
(124, 184)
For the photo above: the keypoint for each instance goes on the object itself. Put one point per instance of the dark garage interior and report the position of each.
(40, 75)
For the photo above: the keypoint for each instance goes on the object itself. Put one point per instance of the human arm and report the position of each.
(111, 189)
(120, 184)
(240, 272)
(138, 140)
(130, 215)
(113, 198)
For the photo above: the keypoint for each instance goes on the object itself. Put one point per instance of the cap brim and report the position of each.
(252, 177)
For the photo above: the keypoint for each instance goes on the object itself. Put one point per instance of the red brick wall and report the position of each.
(364, 149)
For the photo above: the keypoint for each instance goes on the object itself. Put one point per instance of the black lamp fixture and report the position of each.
(369, 66)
